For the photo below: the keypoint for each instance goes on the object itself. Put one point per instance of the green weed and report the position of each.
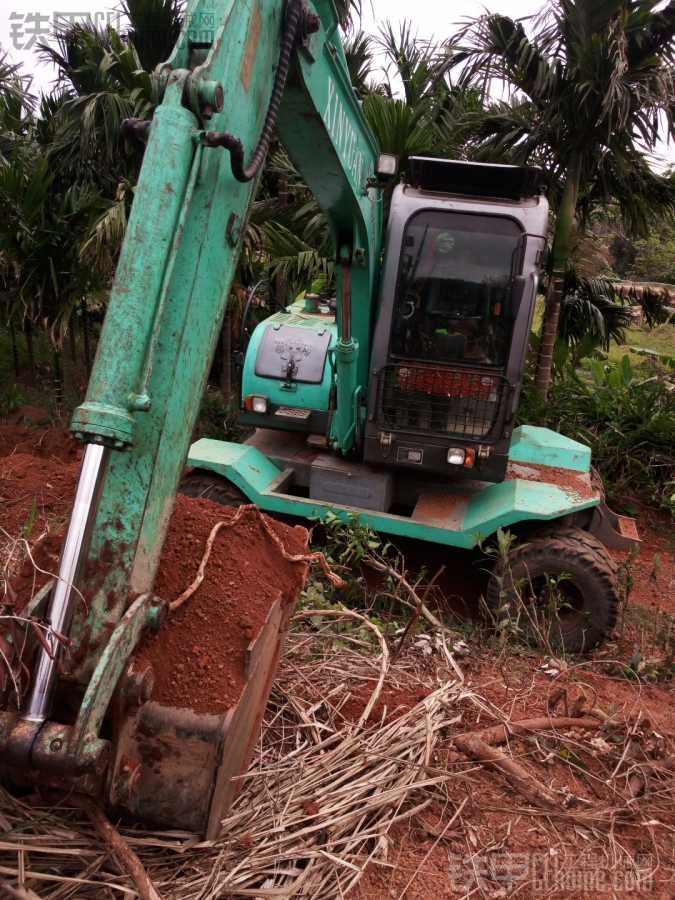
(627, 420)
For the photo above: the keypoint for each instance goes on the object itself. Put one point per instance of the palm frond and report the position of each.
(358, 54)
(592, 312)
(155, 27)
(419, 64)
(347, 12)
(399, 128)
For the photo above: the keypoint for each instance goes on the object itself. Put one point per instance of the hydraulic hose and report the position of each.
(299, 22)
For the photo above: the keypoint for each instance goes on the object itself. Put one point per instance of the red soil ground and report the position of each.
(38, 473)
(199, 656)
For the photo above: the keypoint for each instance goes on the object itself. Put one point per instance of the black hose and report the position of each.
(298, 23)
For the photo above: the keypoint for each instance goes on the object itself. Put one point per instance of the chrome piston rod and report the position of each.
(61, 603)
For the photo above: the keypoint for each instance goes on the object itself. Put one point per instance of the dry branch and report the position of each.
(412, 621)
(519, 778)
(351, 614)
(385, 569)
(122, 852)
(499, 734)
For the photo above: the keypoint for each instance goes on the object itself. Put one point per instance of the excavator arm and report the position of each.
(241, 71)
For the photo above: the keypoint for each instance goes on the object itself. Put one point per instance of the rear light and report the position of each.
(456, 456)
(469, 457)
(255, 403)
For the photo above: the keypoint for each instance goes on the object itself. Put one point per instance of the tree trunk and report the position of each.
(280, 298)
(58, 381)
(560, 258)
(226, 356)
(72, 339)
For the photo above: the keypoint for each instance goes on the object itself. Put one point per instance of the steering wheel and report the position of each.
(409, 306)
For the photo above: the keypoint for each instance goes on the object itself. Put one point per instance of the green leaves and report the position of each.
(155, 26)
(398, 127)
(627, 419)
(416, 110)
(595, 95)
(591, 313)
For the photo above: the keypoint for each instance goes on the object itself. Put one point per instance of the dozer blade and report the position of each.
(177, 768)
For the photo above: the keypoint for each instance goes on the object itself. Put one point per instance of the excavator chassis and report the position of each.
(549, 479)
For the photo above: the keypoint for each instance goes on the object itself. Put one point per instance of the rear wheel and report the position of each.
(210, 486)
(560, 590)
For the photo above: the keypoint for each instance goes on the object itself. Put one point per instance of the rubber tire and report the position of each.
(588, 567)
(585, 538)
(207, 485)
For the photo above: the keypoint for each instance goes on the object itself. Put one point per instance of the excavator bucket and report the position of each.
(177, 768)
(166, 740)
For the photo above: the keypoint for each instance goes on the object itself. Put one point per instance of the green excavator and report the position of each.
(396, 401)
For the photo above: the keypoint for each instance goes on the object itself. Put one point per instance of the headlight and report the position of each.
(456, 456)
(255, 403)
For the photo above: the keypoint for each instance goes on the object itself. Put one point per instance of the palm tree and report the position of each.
(359, 55)
(102, 83)
(592, 84)
(405, 111)
(16, 105)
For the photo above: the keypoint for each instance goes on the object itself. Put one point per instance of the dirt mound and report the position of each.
(35, 493)
(56, 443)
(199, 655)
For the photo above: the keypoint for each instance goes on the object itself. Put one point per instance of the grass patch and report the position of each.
(660, 339)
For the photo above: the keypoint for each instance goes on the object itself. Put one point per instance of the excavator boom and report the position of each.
(241, 71)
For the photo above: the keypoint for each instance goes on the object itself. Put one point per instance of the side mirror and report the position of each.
(515, 298)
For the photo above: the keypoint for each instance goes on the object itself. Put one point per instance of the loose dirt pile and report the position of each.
(38, 474)
(199, 656)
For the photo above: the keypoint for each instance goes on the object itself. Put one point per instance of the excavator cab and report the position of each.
(464, 249)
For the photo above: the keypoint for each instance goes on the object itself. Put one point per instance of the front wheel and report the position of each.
(559, 591)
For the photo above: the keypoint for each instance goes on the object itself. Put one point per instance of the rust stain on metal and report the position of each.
(442, 510)
(251, 48)
(576, 484)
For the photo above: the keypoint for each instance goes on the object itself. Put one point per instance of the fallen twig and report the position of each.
(386, 569)
(431, 849)
(121, 850)
(351, 614)
(499, 734)
(526, 784)
(412, 621)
